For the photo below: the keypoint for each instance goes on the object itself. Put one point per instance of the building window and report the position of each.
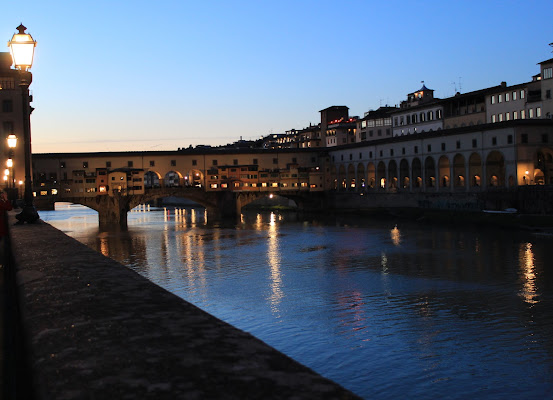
(493, 119)
(255, 161)
(275, 161)
(510, 139)
(514, 96)
(548, 94)
(443, 146)
(522, 114)
(214, 162)
(371, 133)
(438, 114)
(85, 164)
(388, 132)
(507, 116)
(524, 138)
(499, 98)
(548, 73)
(173, 163)
(522, 94)
(538, 112)
(515, 114)
(294, 160)
(544, 138)
(416, 149)
(493, 100)
(360, 155)
(152, 163)
(62, 164)
(391, 152)
(7, 106)
(380, 153)
(8, 127)
(506, 96)
(429, 148)
(341, 157)
(458, 144)
(108, 164)
(494, 141)
(194, 162)
(531, 113)
(403, 150)
(500, 117)
(474, 143)
(370, 154)
(235, 162)
(380, 132)
(350, 156)
(130, 164)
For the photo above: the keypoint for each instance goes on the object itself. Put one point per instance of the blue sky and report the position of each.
(158, 75)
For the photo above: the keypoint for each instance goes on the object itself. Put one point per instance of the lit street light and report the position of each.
(22, 48)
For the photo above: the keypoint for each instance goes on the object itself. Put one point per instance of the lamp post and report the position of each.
(22, 48)
(12, 143)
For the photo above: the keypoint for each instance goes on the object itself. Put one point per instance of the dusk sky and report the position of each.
(159, 75)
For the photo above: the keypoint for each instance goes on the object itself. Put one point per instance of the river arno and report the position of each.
(389, 311)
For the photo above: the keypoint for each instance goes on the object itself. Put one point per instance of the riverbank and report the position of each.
(95, 329)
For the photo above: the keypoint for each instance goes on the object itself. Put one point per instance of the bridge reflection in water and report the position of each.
(406, 311)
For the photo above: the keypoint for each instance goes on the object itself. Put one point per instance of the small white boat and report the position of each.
(506, 211)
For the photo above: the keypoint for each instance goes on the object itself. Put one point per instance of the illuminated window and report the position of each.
(500, 117)
(493, 99)
(514, 96)
(515, 114)
(522, 114)
(274, 184)
(152, 163)
(548, 73)
(538, 112)
(44, 193)
(499, 98)
(507, 116)
(506, 96)
(54, 191)
(85, 164)
(224, 185)
(493, 118)
(522, 94)
(213, 186)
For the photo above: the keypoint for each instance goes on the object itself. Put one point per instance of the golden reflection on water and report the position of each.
(396, 236)
(529, 290)
(273, 256)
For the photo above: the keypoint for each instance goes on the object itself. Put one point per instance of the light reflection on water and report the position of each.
(389, 311)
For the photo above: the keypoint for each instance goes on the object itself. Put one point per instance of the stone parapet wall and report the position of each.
(97, 330)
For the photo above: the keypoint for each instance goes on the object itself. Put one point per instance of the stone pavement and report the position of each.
(97, 330)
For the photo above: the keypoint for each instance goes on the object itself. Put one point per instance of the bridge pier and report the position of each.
(112, 211)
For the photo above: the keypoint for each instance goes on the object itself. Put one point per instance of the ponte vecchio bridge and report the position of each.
(223, 181)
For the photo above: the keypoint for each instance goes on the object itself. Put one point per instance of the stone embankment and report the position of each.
(94, 329)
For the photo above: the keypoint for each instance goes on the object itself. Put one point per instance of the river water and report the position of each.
(388, 309)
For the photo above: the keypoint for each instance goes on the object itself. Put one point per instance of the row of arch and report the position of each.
(425, 174)
(153, 179)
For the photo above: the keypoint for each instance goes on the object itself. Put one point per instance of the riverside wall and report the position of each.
(93, 329)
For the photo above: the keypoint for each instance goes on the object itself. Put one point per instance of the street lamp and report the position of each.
(12, 143)
(22, 48)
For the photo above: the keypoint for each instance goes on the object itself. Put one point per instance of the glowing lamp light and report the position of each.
(12, 141)
(6, 173)
(22, 48)
(9, 163)
(20, 182)
(5, 177)
(526, 172)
